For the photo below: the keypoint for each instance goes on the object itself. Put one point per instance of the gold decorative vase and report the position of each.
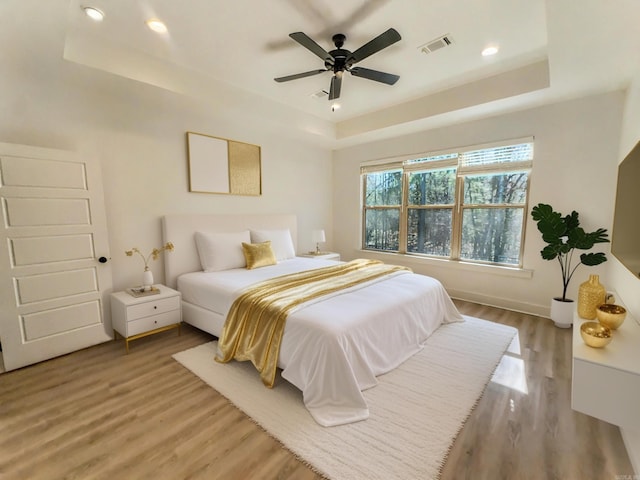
(590, 294)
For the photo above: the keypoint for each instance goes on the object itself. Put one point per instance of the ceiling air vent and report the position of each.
(436, 44)
(320, 94)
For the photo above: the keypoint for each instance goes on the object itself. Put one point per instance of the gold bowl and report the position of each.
(611, 315)
(595, 334)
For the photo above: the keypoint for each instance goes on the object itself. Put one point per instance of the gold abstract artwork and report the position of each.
(219, 165)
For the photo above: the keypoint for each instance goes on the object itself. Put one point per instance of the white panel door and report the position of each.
(54, 275)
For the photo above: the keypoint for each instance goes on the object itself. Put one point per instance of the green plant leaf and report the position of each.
(579, 239)
(591, 259)
(571, 221)
(599, 236)
(584, 241)
(549, 252)
(550, 223)
(540, 211)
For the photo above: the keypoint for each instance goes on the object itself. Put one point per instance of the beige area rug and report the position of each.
(415, 412)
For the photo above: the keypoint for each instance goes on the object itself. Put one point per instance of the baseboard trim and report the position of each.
(513, 305)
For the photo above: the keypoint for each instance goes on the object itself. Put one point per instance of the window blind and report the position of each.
(522, 152)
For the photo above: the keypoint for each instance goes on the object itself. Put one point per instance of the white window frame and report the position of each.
(412, 164)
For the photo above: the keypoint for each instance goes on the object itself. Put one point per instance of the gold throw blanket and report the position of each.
(255, 323)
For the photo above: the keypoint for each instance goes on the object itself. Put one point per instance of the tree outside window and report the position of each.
(430, 211)
(462, 205)
(492, 217)
(382, 204)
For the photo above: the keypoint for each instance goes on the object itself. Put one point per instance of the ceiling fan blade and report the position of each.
(323, 17)
(375, 75)
(336, 84)
(383, 40)
(311, 45)
(298, 75)
(360, 14)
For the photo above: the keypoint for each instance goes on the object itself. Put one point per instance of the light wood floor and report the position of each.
(99, 413)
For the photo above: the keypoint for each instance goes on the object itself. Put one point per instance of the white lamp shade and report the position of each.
(318, 236)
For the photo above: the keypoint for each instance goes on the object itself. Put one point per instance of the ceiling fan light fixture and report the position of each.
(93, 13)
(156, 25)
(335, 106)
(339, 74)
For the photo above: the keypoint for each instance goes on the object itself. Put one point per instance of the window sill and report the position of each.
(409, 260)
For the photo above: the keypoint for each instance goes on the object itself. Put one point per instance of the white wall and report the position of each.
(576, 154)
(137, 134)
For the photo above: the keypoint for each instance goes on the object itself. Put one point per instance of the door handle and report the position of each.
(103, 259)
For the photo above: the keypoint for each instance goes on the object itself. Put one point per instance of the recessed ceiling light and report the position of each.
(93, 13)
(487, 52)
(156, 25)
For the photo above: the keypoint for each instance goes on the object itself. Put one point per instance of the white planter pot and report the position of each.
(562, 312)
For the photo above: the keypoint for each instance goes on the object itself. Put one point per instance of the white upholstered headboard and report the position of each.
(180, 229)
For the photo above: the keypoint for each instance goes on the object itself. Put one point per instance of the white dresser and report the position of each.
(606, 381)
(136, 317)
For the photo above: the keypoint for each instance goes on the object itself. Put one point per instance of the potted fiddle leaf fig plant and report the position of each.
(563, 235)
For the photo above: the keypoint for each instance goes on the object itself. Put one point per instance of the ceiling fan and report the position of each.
(340, 60)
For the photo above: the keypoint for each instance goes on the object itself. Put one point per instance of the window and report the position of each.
(383, 201)
(467, 205)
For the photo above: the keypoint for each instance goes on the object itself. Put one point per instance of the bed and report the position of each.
(332, 348)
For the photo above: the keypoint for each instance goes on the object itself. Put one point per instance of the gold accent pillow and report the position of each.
(258, 254)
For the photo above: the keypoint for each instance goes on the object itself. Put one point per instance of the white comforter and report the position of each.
(334, 348)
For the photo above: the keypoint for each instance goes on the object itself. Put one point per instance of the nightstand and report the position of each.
(137, 317)
(323, 255)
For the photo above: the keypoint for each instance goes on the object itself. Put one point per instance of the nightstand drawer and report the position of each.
(146, 324)
(153, 308)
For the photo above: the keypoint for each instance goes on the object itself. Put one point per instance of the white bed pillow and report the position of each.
(221, 251)
(281, 242)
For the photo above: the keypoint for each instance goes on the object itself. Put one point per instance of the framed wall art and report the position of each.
(219, 165)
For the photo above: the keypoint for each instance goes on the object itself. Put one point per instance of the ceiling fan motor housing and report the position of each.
(340, 60)
(338, 39)
(340, 56)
